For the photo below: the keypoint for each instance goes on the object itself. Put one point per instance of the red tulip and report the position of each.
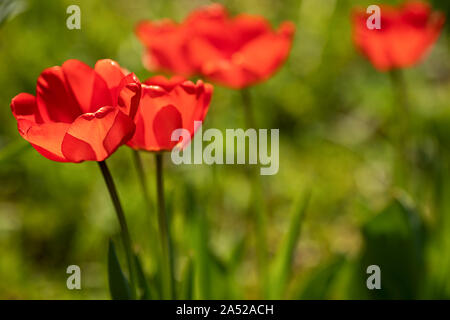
(79, 113)
(165, 43)
(406, 34)
(236, 52)
(167, 105)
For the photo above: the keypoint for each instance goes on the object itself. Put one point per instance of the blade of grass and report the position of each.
(119, 287)
(141, 280)
(283, 260)
(318, 283)
(187, 283)
(202, 259)
(237, 253)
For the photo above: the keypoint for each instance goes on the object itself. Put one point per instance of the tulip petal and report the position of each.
(111, 72)
(24, 107)
(129, 94)
(202, 51)
(165, 43)
(89, 88)
(265, 54)
(206, 101)
(125, 90)
(148, 107)
(162, 111)
(214, 31)
(54, 99)
(213, 12)
(407, 33)
(236, 52)
(47, 138)
(167, 120)
(163, 82)
(121, 131)
(248, 27)
(230, 73)
(94, 136)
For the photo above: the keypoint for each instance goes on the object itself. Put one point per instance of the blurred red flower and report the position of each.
(79, 113)
(165, 47)
(407, 33)
(236, 52)
(166, 105)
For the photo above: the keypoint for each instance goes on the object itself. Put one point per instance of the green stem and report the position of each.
(141, 176)
(247, 105)
(398, 81)
(257, 209)
(402, 118)
(168, 272)
(125, 234)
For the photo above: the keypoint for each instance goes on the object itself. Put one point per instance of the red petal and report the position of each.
(165, 42)
(129, 91)
(153, 98)
(89, 89)
(24, 106)
(120, 133)
(54, 98)
(163, 82)
(248, 27)
(230, 73)
(239, 51)
(209, 89)
(77, 150)
(47, 138)
(167, 120)
(164, 111)
(95, 136)
(202, 51)
(265, 54)
(111, 72)
(406, 35)
(212, 27)
(211, 12)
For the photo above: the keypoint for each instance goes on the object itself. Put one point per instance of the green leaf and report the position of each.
(319, 281)
(118, 283)
(394, 241)
(142, 281)
(282, 266)
(196, 214)
(187, 283)
(237, 253)
(202, 256)
(217, 261)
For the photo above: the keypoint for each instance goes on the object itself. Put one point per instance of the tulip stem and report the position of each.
(402, 118)
(248, 112)
(257, 209)
(398, 81)
(141, 175)
(125, 234)
(168, 268)
(150, 205)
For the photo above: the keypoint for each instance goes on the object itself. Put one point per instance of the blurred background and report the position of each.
(337, 118)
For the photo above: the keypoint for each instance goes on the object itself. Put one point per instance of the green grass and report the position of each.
(337, 118)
